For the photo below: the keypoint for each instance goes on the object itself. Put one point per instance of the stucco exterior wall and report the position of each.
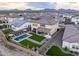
(70, 46)
(52, 27)
(46, 26)
(53, 31)
(14, 19)
(35, 25)
(21, 27)
(74, 20)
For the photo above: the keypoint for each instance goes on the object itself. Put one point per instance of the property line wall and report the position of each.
(17, 46)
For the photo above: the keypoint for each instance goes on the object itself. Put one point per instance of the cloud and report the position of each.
(68, 5)
(13, 5)
(38, 5)
(26, 5)
(41, 4)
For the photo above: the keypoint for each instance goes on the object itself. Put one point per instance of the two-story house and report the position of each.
(45, 26)
(75, 19)
(71, 38)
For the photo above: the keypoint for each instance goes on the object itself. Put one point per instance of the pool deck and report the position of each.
(29, 39)
(40, 43)
(23, 38)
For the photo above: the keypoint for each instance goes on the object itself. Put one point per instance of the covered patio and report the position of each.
(44, 32)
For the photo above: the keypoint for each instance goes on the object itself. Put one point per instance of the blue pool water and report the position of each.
(21, 37)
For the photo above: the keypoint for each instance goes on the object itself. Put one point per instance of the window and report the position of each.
(34, 24)
(34, 30)
(42, 25)
(75, 47)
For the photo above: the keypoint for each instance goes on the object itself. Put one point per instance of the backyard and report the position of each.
(56, 51)
(29, 44)
(68, 21)
(37, 37)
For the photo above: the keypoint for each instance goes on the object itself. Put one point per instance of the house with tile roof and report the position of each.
(75, 19)
(45, 26)
(18, 23)
(71, 37)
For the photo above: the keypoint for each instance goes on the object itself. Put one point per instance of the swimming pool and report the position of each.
(21, 37)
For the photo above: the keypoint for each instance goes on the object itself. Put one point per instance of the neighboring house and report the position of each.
(71, 37)
(18, 23)
(3, 21)
(3, 18)
(45, 26)
(60, 20)
(75, 19)
(67, 15)
(14, 18)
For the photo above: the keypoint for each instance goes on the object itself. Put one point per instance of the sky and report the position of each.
(38, 5)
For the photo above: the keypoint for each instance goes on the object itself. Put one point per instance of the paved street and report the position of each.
(56, 39)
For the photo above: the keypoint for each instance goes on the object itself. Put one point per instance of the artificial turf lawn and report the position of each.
(7, 31)
(36, 37)
(30, 44)
(56, 51)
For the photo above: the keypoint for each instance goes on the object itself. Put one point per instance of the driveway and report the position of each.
(56, 39)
